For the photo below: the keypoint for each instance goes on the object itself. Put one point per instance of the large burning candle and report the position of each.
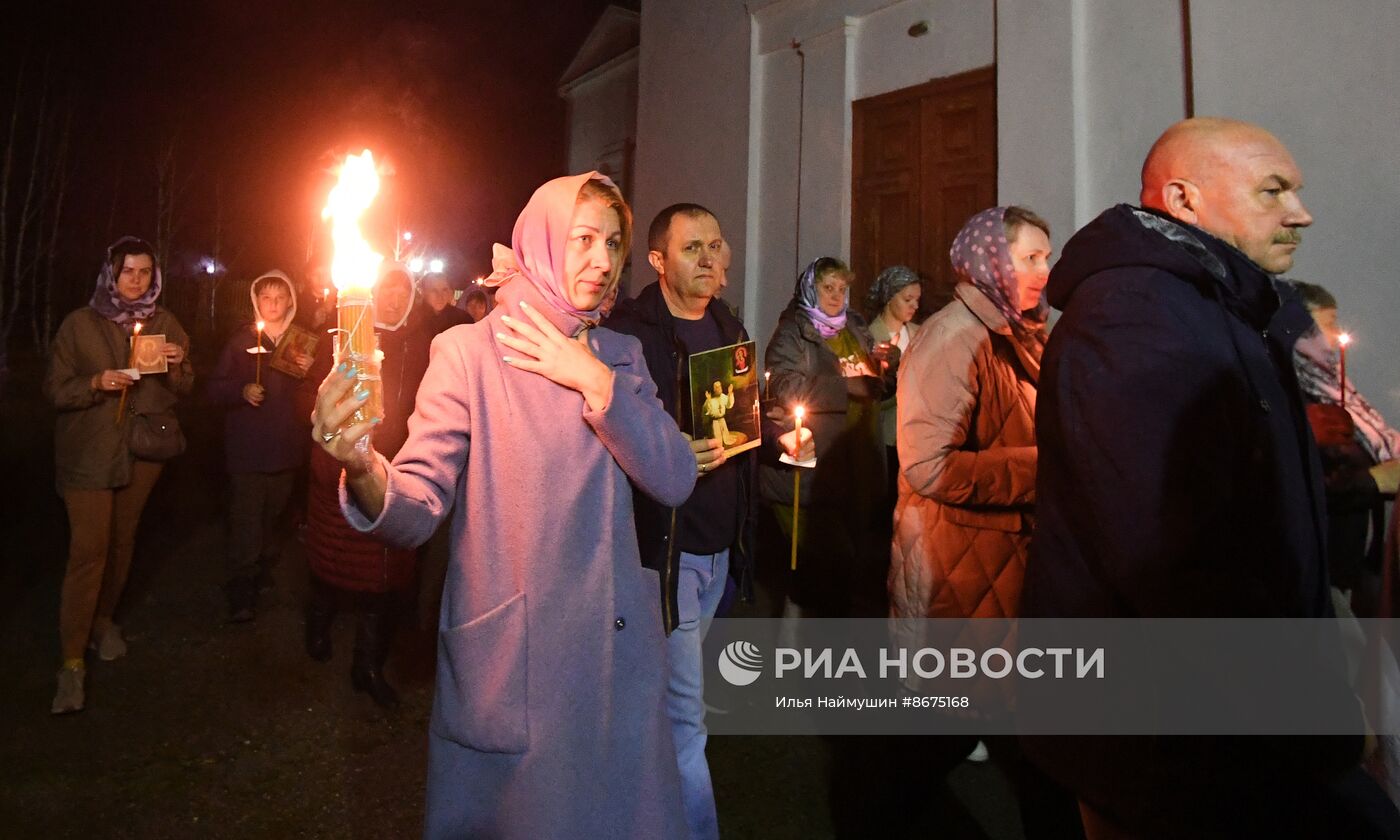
(353, 270)
(797, 414)
(1342, 341)
(130, 363)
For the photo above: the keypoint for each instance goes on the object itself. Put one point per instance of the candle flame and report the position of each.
(355, 264)
(261, 324)
(799, 412)
(136, 330)
(1344, 339)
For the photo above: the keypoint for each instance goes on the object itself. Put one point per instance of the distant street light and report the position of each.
(436, 266)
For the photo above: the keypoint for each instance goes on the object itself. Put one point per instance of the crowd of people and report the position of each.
(1179, 444)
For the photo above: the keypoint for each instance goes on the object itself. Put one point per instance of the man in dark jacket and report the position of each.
(437, 297)
(1178, 479)
(697, 546)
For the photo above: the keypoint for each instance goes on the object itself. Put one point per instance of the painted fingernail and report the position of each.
(524, 305)
(501, 335)
(376, 421)
(506, 318)
(349, 373)
(361, 394)
(343, 367)
(510, 359)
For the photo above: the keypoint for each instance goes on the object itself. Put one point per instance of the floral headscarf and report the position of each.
(982, 256)
(110, 304)
(806, 297)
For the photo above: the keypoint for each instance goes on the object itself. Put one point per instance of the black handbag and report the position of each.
(155, 436)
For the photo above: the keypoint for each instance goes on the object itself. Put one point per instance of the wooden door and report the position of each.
(924, 160)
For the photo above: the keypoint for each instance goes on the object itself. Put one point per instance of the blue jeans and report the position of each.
(701, 585)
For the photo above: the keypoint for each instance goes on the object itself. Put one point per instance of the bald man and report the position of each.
(1178, 478)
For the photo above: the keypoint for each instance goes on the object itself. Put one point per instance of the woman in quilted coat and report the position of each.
(967, 455)
(967, 428)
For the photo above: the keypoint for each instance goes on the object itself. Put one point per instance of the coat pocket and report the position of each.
(993, 520)
(482, 685)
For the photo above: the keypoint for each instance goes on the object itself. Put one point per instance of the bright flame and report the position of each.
(261, 325)
(136, 330)
(415, 265)
(1344, 339)
(799, 413)
(355, 264)
(408, 236)
(436, 266)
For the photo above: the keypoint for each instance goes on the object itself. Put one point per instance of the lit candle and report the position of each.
(257, 357)
(353, 270)
(1342, 341)
(130, 363)
(796, 481)
(767, 374)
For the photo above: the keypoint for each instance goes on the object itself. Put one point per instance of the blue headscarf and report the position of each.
(806, 296)
(108, 301)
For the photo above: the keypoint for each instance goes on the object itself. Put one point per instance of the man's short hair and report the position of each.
(661, 225)
(1313, 295)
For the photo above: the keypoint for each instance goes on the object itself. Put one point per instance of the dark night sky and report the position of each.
(261, 98)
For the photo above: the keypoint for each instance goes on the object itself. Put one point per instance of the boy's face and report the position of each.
(273, 302)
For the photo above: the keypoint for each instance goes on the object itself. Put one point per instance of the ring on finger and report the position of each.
(327, 437)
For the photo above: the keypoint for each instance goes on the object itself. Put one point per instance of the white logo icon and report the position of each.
(740, 663)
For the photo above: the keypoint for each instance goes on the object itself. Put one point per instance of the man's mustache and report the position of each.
(1290, 237)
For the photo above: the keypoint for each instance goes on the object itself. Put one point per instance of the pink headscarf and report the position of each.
(538, 243)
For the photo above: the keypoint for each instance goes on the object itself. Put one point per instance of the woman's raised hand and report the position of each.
(336, 400)
(547, 351)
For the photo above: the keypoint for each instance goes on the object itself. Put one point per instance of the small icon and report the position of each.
(740, 663)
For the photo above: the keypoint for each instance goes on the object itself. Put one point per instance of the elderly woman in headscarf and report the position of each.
(103, 485)
(822, 357)
(347, 566)
(536, 427)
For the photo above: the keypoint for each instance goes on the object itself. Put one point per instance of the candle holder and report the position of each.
(357, 347)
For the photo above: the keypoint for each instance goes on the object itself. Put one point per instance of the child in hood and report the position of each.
(264, 436)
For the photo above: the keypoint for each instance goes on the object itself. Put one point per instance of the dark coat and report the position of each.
(270, 437)
(803, 371)
(449, 317)
(337, 553)
(1177, 478)
(649, 320)
(844, 547)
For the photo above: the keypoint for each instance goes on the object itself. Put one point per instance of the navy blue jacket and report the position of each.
(270, 437)
(649, 319)
(1177, 478)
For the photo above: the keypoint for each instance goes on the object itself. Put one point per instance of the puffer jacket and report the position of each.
(967, 481)
(337, 553)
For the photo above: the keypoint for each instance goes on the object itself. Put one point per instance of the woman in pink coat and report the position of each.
(549, 718)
